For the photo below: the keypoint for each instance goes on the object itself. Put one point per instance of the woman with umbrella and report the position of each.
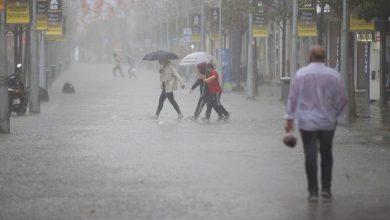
(169, 80)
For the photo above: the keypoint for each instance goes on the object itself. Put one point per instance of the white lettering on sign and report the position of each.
(54, 5)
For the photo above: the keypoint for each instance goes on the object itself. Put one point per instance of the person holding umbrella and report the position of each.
(169, 80)
(203, 72)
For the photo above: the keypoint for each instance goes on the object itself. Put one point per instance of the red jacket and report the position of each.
(213, 85)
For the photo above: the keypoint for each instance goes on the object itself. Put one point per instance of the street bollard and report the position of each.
(60, 68)
(48, 79)
(285, 88)
(53, 73)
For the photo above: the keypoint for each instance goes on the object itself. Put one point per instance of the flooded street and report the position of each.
(99, 154)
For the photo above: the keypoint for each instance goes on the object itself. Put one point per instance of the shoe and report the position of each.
(326, 194)
(220, 118)
(313, 197)
(227, 117)
(206, 120)
(180, 117)
(155, 117)
(193, 118)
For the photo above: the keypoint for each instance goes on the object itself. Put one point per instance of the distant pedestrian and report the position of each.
(169, 80)
(117, 64)
(316, 100)
(131, 70)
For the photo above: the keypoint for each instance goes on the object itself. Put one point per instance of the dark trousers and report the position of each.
(212, 102)
(171, 99)
(223, 110)
(201, 103)
(310, 140)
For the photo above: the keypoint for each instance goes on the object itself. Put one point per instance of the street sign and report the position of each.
(214, 24)
(359, 24)
(18, 12)
(187, 31)
(41, 21)
(54, 18)
(307, 21)
(196, 27)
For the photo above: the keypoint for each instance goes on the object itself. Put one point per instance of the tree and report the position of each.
(280, 11)
(235, 19)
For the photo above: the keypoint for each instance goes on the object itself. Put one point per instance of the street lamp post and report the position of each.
(250, 75)
(203, 37)
(4, 106)
(219, 64)
(294, 55)
(344, 57)
(34, 79)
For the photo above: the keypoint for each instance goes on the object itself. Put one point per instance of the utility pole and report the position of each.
(4, 101)
(203, 37)
(219, 64)
(42, 62)
(344, 58)
(34, 79)
(250, 74)
(294, 54)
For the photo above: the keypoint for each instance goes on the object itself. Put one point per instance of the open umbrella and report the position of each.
(160, 55)
(196, 58)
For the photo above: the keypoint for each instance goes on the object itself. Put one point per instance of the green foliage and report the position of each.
(235, 14)
(370, 9)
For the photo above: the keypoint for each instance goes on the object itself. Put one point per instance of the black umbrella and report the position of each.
(160, 55)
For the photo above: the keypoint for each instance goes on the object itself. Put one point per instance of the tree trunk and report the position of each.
(236, 45)
(255, 70)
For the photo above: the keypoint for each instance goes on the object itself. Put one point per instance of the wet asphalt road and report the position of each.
(98, 154)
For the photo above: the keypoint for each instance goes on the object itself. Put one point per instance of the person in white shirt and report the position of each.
(316, 100)
(169, 81)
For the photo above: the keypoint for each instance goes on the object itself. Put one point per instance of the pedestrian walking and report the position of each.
(202, 69)
(316, 100)
(117, 64)
(213, 93)
(169, 80)
(131, 70)
(226, 114)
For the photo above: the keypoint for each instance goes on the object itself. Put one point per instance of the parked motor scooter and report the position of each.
(18, 95)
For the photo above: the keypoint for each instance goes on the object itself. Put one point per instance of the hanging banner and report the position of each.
(54, 17)
(359, 24)
(214, 24)
(307, 21)
(260, 25)
(18, 12)
(41, 21)
(1, 5)
(196, 27)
